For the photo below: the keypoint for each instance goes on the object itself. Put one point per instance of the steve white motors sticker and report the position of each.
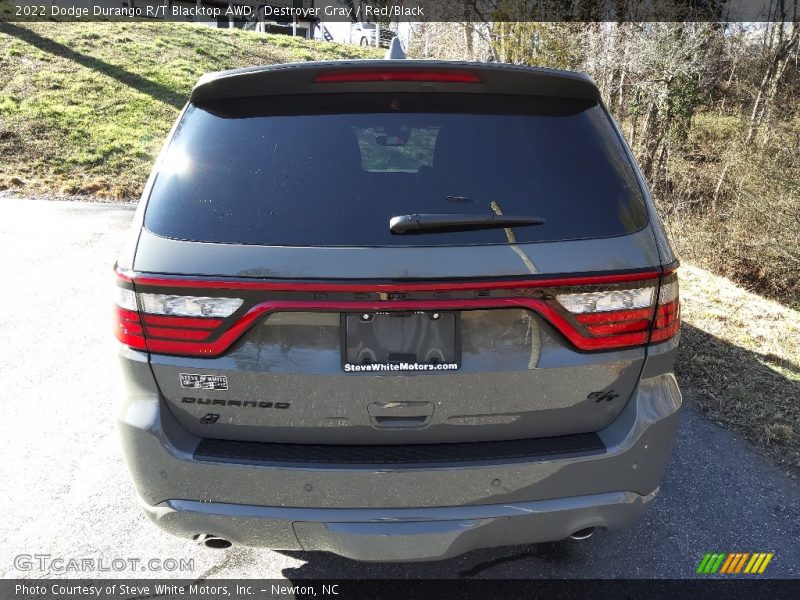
(194, 381)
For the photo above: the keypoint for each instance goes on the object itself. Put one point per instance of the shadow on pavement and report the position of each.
(739, 389)
(478, 563)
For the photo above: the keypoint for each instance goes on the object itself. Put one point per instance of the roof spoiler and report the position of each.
(305, 78)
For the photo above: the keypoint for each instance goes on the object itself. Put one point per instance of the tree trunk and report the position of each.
(660, 163)
(648, 117)
(650, 140)
(769, 83)
(771, 93)
(468, 31)
(634, 122)
(718, 189)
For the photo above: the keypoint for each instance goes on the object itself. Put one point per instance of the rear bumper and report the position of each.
(398, 513)
(399, 534)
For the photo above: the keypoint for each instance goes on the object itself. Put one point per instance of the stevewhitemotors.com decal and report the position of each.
(193, 381)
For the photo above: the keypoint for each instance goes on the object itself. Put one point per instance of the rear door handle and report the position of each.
(400, 414)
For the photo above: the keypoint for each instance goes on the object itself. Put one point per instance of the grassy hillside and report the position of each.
(745, 227)
(84, 107)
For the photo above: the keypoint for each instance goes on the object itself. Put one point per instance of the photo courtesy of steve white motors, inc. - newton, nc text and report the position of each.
(396, 299)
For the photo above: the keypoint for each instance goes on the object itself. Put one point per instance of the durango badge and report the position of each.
(194, 381)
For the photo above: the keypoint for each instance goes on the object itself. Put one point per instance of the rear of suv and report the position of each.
(396, 310)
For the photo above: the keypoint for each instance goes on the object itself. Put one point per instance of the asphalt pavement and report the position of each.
(66, 492)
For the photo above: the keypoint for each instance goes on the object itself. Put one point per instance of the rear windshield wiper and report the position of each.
(425, 222)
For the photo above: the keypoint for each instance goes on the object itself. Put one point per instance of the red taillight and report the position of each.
(622, 315)
(613, 316)
(668, 314)
(194, 329)
(176, 316)
(169, 324)
(188, 322)
(128, 329)
(170, 333)
(619, 324)
(416, 75)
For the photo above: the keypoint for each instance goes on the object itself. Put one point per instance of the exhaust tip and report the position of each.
(583, 534)
(212, 541)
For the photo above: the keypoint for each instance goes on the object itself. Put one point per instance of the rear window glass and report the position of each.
(333, 169)
(405, 152)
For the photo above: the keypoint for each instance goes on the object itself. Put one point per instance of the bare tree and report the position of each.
(778, 56)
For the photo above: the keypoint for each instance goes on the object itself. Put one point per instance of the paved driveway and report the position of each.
(66, 491)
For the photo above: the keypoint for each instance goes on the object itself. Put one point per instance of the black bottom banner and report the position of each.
(389, 589)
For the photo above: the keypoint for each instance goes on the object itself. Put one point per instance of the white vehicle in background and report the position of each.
(359, 34)
(363, 34)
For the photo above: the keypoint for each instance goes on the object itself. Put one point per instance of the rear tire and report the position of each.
(364, 42)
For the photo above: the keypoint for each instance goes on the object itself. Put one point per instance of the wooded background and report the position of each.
(710, 110)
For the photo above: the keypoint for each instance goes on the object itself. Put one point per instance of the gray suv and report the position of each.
(396, 310)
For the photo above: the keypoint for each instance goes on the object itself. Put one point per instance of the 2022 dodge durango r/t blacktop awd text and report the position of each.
(396, 310)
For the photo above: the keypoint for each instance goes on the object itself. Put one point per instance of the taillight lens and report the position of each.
(594, 313)
(611, 318)
(622, 315)
(189, 306)
(607, 301)
(167, 323)
(128, 326)
(668, 313)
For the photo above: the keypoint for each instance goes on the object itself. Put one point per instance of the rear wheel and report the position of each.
(364, 41)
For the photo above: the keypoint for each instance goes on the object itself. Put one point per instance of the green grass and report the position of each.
(84, 107)
(739, 362)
